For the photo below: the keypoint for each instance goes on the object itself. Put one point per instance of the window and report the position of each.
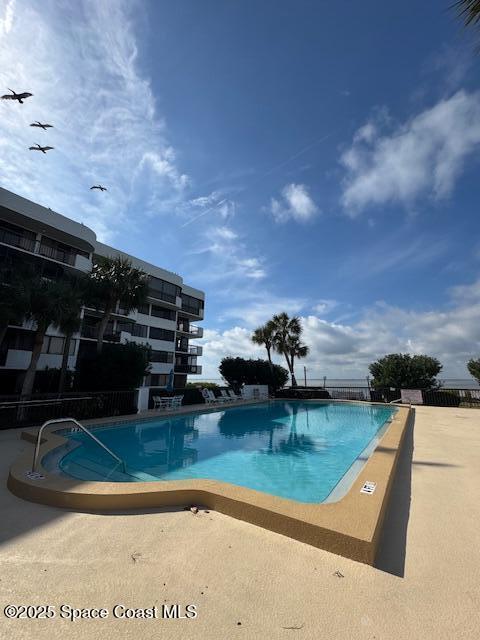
(55, 345)
(144, 308)
(139, 330)
(162, 334)
(161, 312)
(19, 339)
(161, 356)
(163, 290)
(123, 325)
(156, 380)
(191, 304)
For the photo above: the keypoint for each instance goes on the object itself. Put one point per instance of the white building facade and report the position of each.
(55, 245)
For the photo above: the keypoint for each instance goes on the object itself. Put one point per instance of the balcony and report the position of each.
(188, 368)
(17, 240)
(193, 351)
(87, 331)
(190, 329)
(58, 254)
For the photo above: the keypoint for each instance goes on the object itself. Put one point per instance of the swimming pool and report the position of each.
(303, 451)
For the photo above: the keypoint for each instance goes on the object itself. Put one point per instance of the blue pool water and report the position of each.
(295, 450)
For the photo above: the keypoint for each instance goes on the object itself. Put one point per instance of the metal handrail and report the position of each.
(84, 429)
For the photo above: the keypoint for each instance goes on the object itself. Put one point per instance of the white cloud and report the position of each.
(214, 203)
(7, 20)
(80, 62)
(324, 306)
(296, 204)
(255, 308)
(226, 258)
(422, 157)
(341, 350)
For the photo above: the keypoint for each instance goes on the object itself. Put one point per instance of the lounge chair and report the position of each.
(211, 398)
(224, 394)
(233, 395)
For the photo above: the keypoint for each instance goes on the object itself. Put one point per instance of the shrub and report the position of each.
(117, 367)
(202, 385)
(403, 371)
(238, 371)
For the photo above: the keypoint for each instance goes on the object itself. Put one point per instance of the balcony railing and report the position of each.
(17, 240)
(88, 331)
(193, 350)
(188, 368)
(191, 329)
(68, 257)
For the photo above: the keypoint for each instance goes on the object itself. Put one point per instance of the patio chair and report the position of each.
(162, 402)
(176, 402)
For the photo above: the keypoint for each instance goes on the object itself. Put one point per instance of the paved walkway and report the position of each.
(426, 586)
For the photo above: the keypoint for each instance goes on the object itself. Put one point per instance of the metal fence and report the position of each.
(434, 397)
(25, 411)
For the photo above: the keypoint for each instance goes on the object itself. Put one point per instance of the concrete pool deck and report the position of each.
(426, 584)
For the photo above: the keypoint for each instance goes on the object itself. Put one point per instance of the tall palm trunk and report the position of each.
(29, 379)
(269, 356)
(101, 329)
(292, 371)
(63, 370)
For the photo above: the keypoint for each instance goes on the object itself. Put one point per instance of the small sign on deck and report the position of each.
(368, 487)
(34, 475)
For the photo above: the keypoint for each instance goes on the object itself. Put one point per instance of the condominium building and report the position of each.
(56, 245)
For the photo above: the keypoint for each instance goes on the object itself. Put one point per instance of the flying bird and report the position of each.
(99, 186)
(39, 148)
(17, 96)
(41, 125)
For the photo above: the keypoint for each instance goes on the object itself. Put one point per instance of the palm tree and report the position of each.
(469, 10)
(44, 300)
(69, 321)
(286, 340)
(263, 336)
(114, 281)
(295, 349)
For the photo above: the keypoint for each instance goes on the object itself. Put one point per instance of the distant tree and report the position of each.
(264, 336)
(403, 371)
(115, 281)
(287, 340)
(238, 371)
(473, 367)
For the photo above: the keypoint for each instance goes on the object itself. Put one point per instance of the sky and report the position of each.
(303, 156)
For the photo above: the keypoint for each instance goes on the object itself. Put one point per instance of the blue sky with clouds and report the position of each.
(319, 158)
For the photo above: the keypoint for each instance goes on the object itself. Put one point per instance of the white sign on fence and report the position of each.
(412, 396)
